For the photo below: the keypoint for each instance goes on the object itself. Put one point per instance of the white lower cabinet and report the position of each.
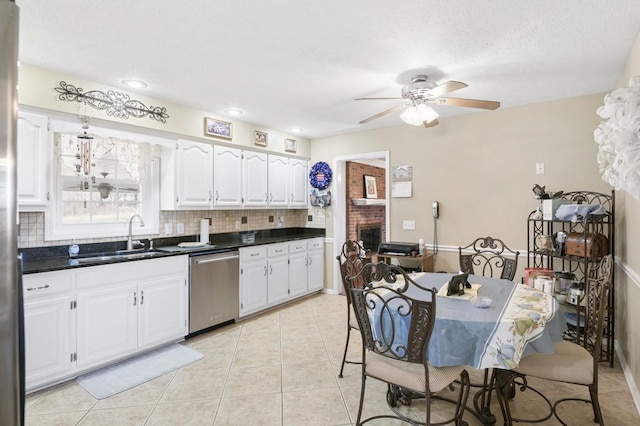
(274, 273)
(107, 324)
(49, 326)
(160, 318)
(298, 268)
(278, 276)
(315, 269)
(79, 319)
(253, 279)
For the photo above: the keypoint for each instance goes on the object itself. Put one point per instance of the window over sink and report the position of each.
(102, 177)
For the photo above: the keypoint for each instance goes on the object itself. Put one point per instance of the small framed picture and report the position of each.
(260, 138)
(290, 145)
(218, 128)
(370, 189)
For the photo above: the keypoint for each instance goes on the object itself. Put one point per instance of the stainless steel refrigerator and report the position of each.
(11, 314)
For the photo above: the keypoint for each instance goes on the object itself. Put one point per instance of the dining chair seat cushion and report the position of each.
(410, 375)
(570, 363)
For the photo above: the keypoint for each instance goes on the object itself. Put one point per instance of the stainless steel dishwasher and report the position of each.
(213, 289)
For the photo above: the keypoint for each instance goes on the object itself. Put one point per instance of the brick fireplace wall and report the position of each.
(355, 189)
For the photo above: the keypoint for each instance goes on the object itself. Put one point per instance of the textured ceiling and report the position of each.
(300, 63)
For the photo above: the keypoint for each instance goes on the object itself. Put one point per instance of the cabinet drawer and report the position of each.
(132, 272)
(278, 249)
(297, 246)
(46, 283)
(315, 244)
(253, 253)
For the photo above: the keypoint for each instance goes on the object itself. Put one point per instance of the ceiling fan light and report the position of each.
(418, 114)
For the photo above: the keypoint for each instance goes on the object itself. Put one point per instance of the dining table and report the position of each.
(518, 321)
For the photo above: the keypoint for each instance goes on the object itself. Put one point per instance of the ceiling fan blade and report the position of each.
(470, 103)
(381, 114)
(375, 99)
(431, 123)
(447, 87)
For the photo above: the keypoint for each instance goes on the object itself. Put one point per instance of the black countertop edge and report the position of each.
(54, 258)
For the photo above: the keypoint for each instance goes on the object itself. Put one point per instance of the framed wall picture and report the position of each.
(370, 189)
(260, 138)
(218, 128)
(290, 145)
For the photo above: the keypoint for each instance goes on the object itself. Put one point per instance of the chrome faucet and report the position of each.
(129, 241)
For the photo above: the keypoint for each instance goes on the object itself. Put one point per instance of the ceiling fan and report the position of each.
(421, 92)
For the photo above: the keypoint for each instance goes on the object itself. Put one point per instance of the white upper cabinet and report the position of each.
(278, 181)
(254, 183)
(187, 183)
(34, 161)
(298, 171)
(227, 176)
(199, 176)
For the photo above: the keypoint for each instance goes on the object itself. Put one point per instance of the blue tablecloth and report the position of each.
(521, 320)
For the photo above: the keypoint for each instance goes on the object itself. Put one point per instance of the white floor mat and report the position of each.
(127, 374)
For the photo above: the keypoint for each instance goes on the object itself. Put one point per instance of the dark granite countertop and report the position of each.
(55, 258)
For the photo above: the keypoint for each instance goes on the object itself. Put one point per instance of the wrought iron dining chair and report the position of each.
(580, 323)
(396, 329)
(350, 261)
(489, 257)
(569, 363)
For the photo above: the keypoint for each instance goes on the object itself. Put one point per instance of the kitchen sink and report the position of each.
(115, 256)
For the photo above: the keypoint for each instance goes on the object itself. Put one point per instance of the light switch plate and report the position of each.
(180, 228)
(168, 228)
(409, 224)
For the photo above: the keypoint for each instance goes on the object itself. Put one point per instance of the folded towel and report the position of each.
(576, 212)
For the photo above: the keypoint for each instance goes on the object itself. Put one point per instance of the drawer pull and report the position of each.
(38, 288)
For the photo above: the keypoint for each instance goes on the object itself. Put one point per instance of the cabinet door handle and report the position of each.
(310, 261)
(135, 298)
(38, 288)
(209, 195)
(217, 195)
(270, 270)
(266, 197)
(271, 197)
(141, 297)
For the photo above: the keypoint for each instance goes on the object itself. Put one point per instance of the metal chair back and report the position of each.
(489, 257)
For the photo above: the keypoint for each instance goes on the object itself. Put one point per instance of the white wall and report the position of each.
(628, 272)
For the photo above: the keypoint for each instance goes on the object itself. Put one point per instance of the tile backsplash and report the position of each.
(31, 231)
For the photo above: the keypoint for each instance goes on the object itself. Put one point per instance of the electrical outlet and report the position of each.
(539, 168)
(180, 228)
(280, 221)
(409, 224)
(168, 228)
(237, 225)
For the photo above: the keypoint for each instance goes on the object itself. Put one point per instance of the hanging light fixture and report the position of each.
(418, 114)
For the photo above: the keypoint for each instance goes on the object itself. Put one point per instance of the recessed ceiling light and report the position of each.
(296, 130)
(233, 112)
(135, 84)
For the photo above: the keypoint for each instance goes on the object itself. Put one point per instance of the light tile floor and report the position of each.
(281, 368)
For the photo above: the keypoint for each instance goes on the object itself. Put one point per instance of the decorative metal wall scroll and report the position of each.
(116, 104)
